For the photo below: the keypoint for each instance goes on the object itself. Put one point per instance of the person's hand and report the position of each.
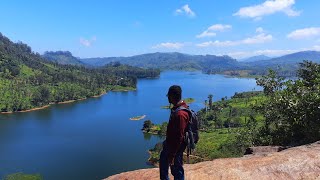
(170, 160)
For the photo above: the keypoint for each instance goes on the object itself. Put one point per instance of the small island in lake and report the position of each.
(136, 118)
(157, 129)
(187, 100)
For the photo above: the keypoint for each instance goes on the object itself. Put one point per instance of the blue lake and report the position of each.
(94, 138)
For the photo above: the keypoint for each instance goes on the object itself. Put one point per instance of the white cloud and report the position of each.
(267, 8)
(206, 34)
(316, 47)
(87, 42)
(267, 52)
(185, 10)
(217, 43)
(169, 45)
(210, 32)
(179, 11)
(257, 39)
(273, 52)
(259, 30)
(304, 33)
(219, 27)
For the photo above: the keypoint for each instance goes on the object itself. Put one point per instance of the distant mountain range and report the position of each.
(255, 58)
(168, 61)
(293, 58)
(257, 65)
(286, 65)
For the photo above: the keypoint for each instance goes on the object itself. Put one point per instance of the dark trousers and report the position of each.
(176, 169)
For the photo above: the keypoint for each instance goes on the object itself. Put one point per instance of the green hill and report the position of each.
(27, 80)
(255, 58)
(62, 57)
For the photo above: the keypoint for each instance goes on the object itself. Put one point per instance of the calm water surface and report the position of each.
(94, 138)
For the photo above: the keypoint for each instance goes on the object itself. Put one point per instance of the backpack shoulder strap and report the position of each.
(182, 108)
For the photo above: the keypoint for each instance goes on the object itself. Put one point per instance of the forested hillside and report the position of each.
(27, 80)
(287, 113)
(62, 57)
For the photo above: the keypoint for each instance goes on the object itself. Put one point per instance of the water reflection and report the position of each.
(147, 136)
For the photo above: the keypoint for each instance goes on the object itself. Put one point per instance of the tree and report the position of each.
(210, 100)
(270, 82)
(163, 129)
(45, 94)
(147, 125)
(292, 110)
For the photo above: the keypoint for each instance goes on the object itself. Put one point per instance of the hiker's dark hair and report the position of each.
(175, 91)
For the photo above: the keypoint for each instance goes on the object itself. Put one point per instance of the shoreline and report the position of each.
(66, 102)
(48, 105)
(150, 162)
(96, 96)
(151, 132)
(28, 110)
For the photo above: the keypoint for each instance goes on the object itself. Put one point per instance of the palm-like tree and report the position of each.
(206, 104)
(210, 97)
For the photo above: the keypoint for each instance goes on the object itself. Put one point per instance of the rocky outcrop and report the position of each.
(302, 162)
(263, 150)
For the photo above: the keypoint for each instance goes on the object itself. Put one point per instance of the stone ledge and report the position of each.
(302, 162)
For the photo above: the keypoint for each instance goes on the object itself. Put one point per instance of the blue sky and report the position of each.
(126, 27)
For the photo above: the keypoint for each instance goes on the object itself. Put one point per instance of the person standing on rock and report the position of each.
(174, 145)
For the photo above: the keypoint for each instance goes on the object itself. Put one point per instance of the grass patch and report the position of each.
(25, 71)
(209, 147)
(22, 176)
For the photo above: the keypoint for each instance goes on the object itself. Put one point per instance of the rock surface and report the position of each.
(302, 162)
(263, 150)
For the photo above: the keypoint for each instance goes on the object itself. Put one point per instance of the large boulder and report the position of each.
(302, 162)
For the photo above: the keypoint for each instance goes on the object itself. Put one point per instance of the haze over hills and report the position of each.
(255, 58)
(290, 59)
(286, 65)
